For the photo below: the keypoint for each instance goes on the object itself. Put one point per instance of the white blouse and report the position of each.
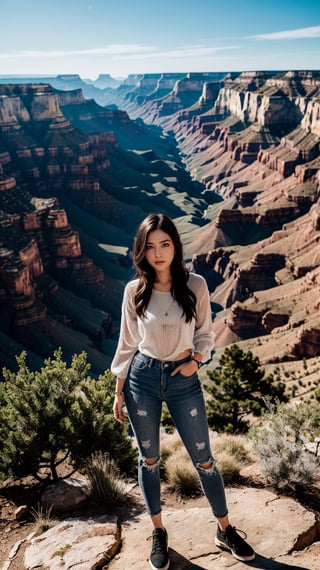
(163, 333)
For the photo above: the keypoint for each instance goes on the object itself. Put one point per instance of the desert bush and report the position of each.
(229, 467)
(236, 446)
(280, 442)
(231, 452)
(106, 485)
(181, 475)
(170, 442)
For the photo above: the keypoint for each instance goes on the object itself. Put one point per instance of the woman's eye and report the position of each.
(149, 247)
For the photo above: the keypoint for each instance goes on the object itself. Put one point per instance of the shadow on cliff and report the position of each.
(179, 562)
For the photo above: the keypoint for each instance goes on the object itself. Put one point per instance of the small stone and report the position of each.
(21, 512)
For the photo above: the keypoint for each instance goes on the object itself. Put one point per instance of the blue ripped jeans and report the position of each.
(148, 385)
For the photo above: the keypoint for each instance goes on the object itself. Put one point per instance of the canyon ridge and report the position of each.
(233, 158)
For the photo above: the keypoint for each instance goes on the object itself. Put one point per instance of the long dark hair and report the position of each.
(180, 291)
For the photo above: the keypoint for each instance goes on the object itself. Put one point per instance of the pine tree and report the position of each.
(57, 414)
(239, 387)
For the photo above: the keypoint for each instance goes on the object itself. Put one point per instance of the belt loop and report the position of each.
(150, 363)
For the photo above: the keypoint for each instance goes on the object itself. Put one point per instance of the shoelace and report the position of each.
(159, 543)
(234, 537)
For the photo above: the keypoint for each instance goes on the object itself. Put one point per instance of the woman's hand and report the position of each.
(118, 407)
(186, 368)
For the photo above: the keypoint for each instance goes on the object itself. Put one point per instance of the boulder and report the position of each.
(65, 495)
(81, 544)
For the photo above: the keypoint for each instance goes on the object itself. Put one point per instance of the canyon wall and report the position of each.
(243, 168)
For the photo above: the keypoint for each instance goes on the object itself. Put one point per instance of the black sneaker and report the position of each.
(230, 540)
(159, 559)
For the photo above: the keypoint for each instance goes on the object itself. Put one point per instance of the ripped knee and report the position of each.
(208, 467)
(152, 464)
(151, 461)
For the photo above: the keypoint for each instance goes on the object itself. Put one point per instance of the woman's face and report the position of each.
(159, 251)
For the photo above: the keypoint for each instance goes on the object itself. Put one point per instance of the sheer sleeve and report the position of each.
(204, 336)
(128, 337)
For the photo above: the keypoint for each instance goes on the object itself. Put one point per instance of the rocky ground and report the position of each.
(27, 492)
(266, 518)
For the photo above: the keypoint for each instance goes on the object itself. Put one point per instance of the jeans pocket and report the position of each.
(140, 361)
(187, 376)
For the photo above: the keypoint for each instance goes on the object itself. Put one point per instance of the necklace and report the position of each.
(166, 311)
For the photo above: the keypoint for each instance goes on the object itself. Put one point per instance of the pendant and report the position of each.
(166, 314)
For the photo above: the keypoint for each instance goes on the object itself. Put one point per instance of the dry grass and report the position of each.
(231, 452)
(181, 474)
(170, 442)
(105, 483)
(236, 446)
(43, 519)
(229, 467)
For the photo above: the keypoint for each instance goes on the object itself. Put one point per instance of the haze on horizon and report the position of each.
(120, 37)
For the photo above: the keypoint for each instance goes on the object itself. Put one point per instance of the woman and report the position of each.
(165, 335)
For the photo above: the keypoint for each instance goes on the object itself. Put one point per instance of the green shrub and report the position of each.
(58, 414)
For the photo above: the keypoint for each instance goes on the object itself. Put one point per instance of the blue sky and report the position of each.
(119, 37)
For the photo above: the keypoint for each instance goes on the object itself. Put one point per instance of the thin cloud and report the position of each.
(195, 51)
(298, 34)
(184, 52)
(117, 49)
